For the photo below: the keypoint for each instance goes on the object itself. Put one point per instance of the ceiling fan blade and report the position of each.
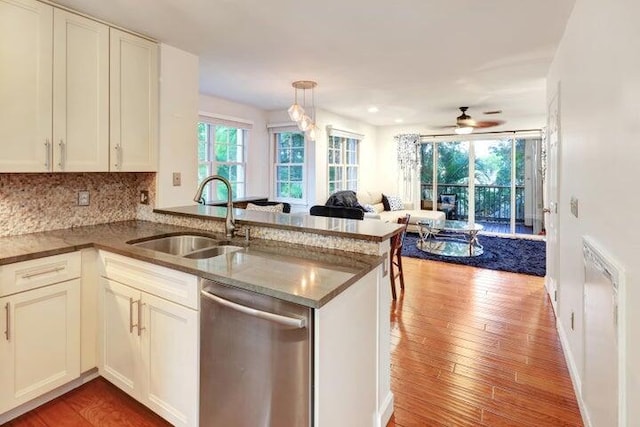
(444, 127)
(487, 124)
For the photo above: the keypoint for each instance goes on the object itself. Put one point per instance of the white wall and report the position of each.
(598, 65)
(387, 173)
(178, 127)
(258, 161)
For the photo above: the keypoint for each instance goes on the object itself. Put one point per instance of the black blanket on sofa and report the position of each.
(345, 198)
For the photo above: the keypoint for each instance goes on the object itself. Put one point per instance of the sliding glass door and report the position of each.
(497, 182)
(445, 170)
(492, 179)
(453, 176)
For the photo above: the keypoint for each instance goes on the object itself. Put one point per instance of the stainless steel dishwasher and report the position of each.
(255, 359)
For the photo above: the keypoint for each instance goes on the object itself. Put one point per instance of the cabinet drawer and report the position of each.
(173, 285)
(25, 275)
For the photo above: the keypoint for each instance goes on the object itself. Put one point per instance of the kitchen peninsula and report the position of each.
(334, 266)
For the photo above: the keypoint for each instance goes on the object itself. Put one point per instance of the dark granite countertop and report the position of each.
(300, 274)
(367, 229)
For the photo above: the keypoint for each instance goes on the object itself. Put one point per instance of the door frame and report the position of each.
(552, 183)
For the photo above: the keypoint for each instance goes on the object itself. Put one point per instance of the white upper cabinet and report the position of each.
(80, 94)
(133, 103)
(60, 108)
(25, 86)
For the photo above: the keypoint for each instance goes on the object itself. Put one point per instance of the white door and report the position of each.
(40, 347)
(80, 94)
(119, 347)
(170, 356)
(551, 200)
(133, 103)
(25, 86)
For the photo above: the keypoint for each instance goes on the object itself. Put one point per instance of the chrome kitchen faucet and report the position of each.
(230, 224)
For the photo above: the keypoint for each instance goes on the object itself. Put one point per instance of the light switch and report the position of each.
(144, 197)
(574, 206)
(177, 179)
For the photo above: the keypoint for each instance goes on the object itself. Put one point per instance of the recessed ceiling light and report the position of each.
(398, 120)
(372, 109)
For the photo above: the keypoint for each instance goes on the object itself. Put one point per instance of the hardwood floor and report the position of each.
(96, 403)
(475, 347)
(470, 347)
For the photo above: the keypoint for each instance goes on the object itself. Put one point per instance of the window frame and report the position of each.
(273, 137)
(343, 165)
(239, 186)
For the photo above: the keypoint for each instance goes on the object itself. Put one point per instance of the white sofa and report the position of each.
(375, 200)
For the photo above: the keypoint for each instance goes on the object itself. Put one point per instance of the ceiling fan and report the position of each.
(465, 124)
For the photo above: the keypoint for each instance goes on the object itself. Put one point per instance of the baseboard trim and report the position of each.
(47, 397)
(386, 411)
(574, 373)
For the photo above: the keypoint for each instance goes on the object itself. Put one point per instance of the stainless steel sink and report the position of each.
(213, 252)
(181, 245)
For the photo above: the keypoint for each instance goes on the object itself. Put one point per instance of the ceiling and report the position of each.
(415, 60)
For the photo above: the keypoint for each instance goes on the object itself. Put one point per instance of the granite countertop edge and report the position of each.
(57, 242)
(269, 220)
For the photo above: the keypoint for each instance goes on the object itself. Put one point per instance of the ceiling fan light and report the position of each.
(304, 123)
(463, 130)
(296, 112)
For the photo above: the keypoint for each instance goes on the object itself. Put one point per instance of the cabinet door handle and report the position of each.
(131, 315)
(118, 163)
(40, 273)
(61, 161)
(7, 309)
(140, 305)
(47, 154)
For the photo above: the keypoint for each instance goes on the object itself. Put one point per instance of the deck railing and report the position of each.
(493, 202)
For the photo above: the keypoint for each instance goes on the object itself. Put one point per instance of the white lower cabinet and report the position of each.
(40, 344)
(149, 347)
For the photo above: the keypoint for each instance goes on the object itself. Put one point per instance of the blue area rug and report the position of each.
(514, 255)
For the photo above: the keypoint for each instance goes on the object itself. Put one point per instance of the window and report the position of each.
(289, 165)
(343, 164)
(221, 151)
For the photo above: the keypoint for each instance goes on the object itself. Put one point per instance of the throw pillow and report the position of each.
(395, 203)
(368, 208)
(385, 203)
(448, 199)
(272, 208)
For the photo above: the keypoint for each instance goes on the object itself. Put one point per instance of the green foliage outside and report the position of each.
(290, 155)
(492, 175)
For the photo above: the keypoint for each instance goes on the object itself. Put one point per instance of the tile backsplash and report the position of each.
(41, 202)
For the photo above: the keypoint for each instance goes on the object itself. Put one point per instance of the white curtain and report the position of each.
(409, 165)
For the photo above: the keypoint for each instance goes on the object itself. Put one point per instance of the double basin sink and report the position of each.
(190, 246)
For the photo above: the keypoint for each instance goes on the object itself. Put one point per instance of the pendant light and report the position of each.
(297, 112)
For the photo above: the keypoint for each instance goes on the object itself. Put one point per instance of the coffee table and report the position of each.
(449, 238)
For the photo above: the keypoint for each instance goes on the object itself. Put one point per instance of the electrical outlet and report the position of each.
(574, 206)
(83, 198)
(144, 197)
(177, 179)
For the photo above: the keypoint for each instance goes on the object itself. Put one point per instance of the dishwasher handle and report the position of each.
(276, 318)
